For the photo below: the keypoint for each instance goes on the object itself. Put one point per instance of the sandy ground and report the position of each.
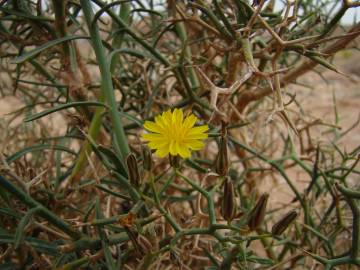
(319, 100)
(318, 103)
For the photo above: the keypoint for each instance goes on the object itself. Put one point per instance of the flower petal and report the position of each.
(177, 117)
(189, 121)
(172, 148)
(197, 136)
(198, 129)
(159, 120)
(158, 144)
(152, 126)
(183, 151)
(174, 134)
(162, 152)
(167, 116)
(153, 137)
(194, 144)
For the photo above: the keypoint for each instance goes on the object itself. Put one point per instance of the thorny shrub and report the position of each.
(80, 184)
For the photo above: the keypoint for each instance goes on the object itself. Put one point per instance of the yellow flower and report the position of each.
(173, 134)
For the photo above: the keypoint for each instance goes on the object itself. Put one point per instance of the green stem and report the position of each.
(128, 30)
(124, 14)
(106, 82)
(135, 196)
(162, 210)
(356, 221)
(43, 211)
(207, 195)
(334, 22)
(94, 131)
(181, 31)
(277, 166)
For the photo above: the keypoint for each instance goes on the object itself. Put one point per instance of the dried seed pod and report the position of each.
(284, 223)
(133, 170)
(133, 236)
(147, 158)
(257, 214)
(222, 159)
(144, 244)
(228, 207)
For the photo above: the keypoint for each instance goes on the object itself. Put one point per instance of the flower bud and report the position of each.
(284, 223)
(257, 214)
(147, 158)
(133, 170)
(228, 207)
(222, 159)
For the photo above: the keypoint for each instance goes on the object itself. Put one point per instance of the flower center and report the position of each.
(176, 133)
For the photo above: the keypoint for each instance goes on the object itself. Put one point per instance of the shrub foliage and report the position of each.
(80, 189)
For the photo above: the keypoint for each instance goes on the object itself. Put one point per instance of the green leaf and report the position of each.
(25, 15)
(148, 11)
(110, 263)
(31, 54)
(132, 118)
(114, 159)
(114, 193)
(259, 260)
(45, 213)
(99, 154)
(20, 230)
(131, 52)
(41, 246)
(9, 212)
(193, 164)
(35, 148)
(62, 107)
(4, 196)
(74, 265)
